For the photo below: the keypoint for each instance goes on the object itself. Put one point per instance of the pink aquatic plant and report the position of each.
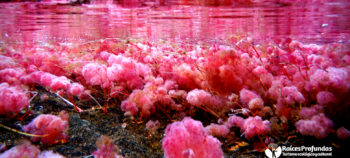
(11, 75)
(235, 121)
(44, 97)
(245, 96)
(292, 95)
(308, 113)
(138, 100)
(106, 148)
(333, 79)
(26, 150)
(255, 126)
(75, 89)
(152, 126)
(343, 133)
(256, 103)
(250, 127)
(218, 130)
(60, 83)
(188, 138)
(46, 79)
(256, 81)
(127, 70)
(12, 99)
(50, 154)
(325, 98)
(96, 74)
(51, 128)
(198, 97)
(319, 126)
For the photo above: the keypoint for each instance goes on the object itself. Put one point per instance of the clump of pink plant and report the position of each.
(188, 138)
(198, 98)
(138, 100)
(12, 99)
(60, 83)
(152, 97)
(152, 126)
(44, 97)
(50, 154)
(96, 74)
(319, 126)
(26, 150)
(11, 75)
(246, 96)
(255, 126)
(326, 98)
(250, 127)
(75, 89)
(343, 133)
(308, 113)
(235, 121)
(126, 70)
(291, 95)
(49, 127)
(106, 148)
(218, 130)
(333, 79)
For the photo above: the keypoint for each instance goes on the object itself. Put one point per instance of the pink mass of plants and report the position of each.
(241, 85)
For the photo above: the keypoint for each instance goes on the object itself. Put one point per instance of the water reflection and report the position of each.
(224, 20)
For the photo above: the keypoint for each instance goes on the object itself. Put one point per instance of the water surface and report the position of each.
(225, 21)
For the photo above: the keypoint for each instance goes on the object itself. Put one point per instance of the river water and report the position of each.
(197, 20)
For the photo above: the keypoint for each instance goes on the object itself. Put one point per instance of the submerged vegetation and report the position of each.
(238, 98)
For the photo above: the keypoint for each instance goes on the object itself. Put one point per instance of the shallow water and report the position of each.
(224, 21)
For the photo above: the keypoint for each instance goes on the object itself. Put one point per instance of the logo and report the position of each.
(275, 151)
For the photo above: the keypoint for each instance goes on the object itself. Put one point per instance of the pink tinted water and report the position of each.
(190, 20)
